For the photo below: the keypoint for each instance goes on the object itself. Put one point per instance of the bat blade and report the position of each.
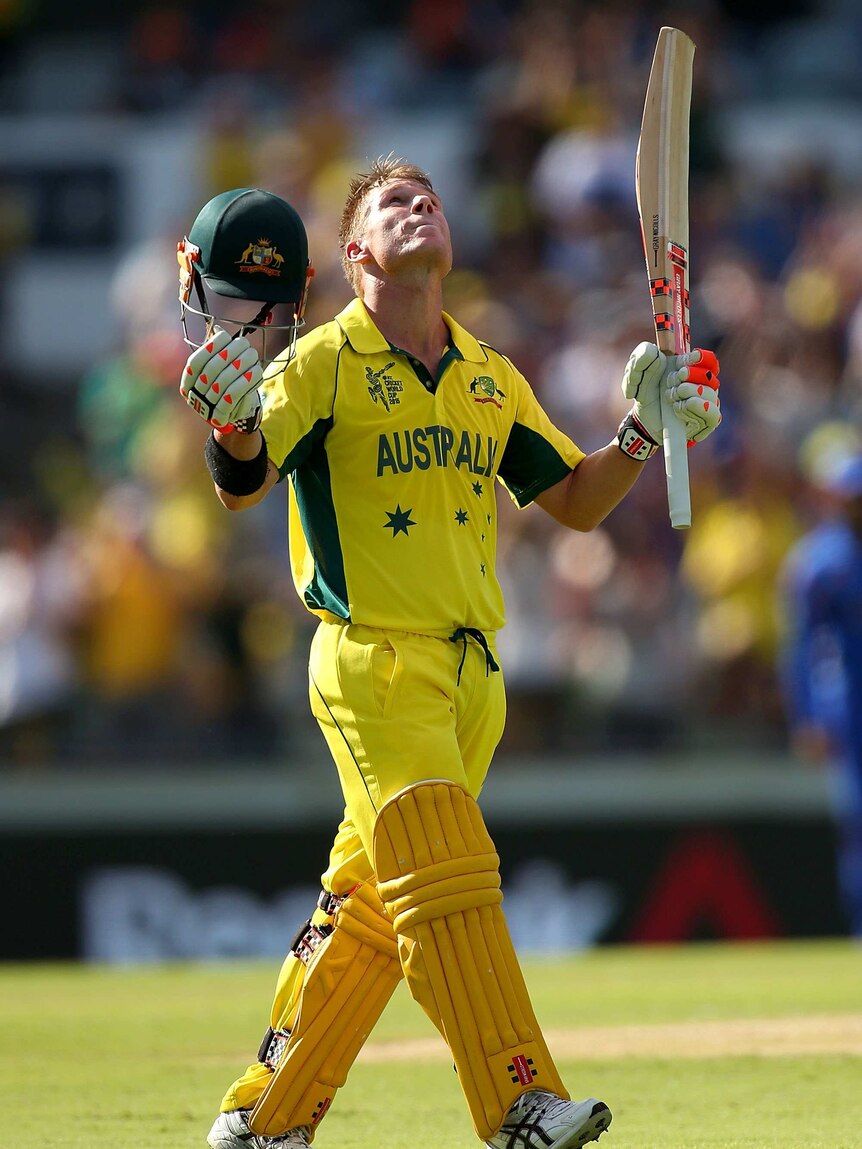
(661, 184)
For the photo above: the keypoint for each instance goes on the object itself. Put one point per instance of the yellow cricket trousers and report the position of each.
(396, 709)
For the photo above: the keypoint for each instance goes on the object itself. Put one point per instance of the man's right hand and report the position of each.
(220, 382)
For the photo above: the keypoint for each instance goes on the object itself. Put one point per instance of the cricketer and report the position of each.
(389, 426)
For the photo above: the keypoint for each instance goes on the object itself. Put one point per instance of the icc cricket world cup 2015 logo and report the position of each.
(262, 257)
(383, 388)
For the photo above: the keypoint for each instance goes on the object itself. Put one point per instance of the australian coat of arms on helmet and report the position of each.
(261, 256)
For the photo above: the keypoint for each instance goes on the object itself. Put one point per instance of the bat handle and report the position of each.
(675, 466)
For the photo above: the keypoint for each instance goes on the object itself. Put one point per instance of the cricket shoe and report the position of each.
(231, 1131)
(541, 1120)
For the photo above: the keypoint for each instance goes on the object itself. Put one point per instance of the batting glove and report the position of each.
(690, 382)
(220, 382)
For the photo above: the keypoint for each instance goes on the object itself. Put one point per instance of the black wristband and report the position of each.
(235, 476)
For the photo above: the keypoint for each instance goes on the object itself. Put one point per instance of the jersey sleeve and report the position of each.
(298, 400)
(537, 455)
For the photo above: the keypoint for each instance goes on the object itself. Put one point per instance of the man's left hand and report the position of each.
(691, 382)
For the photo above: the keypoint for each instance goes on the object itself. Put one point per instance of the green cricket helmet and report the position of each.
(247, 245)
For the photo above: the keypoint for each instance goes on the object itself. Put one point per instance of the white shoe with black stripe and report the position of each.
(231, 1131)
(541, 1120)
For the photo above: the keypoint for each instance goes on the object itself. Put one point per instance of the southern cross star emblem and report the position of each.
(477, 489)
(461, 517)
(399, 521)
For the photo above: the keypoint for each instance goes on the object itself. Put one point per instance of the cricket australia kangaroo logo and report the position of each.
(262, 256)
(382, 387)
(485, 390)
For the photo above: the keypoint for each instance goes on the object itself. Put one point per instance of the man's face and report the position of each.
(404, 228)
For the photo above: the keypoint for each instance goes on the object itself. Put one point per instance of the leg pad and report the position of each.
(438, 875)
(350, 978)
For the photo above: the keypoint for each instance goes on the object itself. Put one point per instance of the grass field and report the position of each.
(719, 1046)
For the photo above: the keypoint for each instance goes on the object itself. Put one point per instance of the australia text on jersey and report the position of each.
(436, 445)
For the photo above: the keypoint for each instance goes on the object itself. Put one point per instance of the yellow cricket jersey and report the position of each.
(392, 506)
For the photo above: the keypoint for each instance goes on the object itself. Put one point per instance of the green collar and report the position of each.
(425, 377)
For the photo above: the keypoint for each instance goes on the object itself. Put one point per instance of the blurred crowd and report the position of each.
(142, 623)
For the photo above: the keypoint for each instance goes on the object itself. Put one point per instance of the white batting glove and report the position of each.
(220, 382)
(690, 381)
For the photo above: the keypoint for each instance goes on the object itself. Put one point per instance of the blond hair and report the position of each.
(381, 171)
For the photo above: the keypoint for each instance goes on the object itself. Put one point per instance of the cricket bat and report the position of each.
(661, 185)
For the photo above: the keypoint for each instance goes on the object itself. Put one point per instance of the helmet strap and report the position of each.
(260, 320)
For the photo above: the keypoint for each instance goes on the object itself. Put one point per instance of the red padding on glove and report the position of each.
(708, 362)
